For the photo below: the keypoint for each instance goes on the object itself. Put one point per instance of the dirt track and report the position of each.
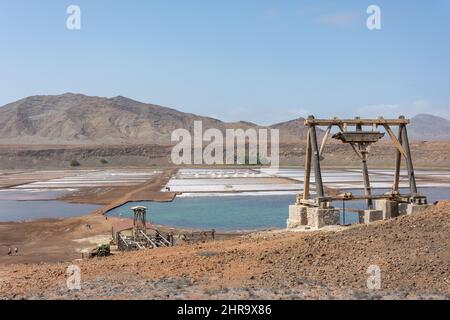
(413, 253)
(113, 196)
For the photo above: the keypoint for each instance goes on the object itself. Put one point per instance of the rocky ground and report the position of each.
(412, 252)
(291, 154)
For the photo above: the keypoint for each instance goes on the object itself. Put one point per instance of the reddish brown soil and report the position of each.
(413, 253)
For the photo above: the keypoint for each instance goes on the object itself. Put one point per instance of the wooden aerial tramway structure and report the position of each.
(360, 141)
(139, 236)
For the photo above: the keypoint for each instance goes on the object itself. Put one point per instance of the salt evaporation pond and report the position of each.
(33, 210)
(240, 212)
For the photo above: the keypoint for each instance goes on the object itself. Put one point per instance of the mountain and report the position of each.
(293, 130)
(429, 127)
(76, 119)
(79, 119)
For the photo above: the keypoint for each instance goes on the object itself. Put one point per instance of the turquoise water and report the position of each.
(240, 212)
(32, 210)
(221, 213)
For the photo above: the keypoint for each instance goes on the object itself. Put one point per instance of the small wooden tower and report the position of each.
(139, 222)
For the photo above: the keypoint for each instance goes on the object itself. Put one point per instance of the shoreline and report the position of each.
(57, 235)
(411, 251)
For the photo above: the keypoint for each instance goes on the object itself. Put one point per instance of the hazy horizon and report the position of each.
(259, 61)
(241, 120)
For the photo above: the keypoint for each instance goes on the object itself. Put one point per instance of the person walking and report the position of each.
(9, 251)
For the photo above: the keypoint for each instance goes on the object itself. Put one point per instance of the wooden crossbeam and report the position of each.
(324, 140)
(355, 122)
(394, 139)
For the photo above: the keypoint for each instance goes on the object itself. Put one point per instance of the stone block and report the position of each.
(368, 216)
(417, 208)
(319, 218)
(388, 207)
(402, 208)
(297, 216)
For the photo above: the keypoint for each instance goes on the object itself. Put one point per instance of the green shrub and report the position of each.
(103, 161)
(258, 160)
(74, 163)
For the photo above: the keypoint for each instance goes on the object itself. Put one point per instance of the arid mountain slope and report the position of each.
(429, 127)
(293, 130)
(78, 119)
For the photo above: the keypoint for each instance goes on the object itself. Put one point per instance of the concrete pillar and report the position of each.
(402, 208)
(388, 207)
(368, 216)
(297, 216)
(416, 208)
(319, 218)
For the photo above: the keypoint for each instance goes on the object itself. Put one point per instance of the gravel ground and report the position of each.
(412, 252)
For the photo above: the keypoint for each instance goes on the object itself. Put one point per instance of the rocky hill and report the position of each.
(79, 119)
(429, 127)
(75, 119)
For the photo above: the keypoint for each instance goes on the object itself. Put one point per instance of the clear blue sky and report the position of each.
(256, 60)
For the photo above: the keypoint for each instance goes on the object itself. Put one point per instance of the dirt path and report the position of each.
(412, 252)
(109, 195)
(149, 191)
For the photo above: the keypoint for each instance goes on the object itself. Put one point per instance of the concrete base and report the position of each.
(369, 216)
(297, 216)
(402, 209)
(417, 208)
(319, 218)
(388, 207)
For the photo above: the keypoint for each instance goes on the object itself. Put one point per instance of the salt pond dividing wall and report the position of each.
(199, 182)
(95, 178)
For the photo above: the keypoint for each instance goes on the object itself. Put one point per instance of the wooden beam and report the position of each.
(316, 162)
(365, 170)
(324, 140)
(409, 164)
(354, 122)
(367, 188)
(398, 162)
(307, 177)
(397, 144)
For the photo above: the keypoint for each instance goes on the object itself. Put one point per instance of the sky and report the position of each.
(263, 61)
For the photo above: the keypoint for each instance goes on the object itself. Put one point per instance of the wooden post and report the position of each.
(409, 164)
(367, 188)
(316, 161)
(307, 177)
(398, 162)
(365, 170)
